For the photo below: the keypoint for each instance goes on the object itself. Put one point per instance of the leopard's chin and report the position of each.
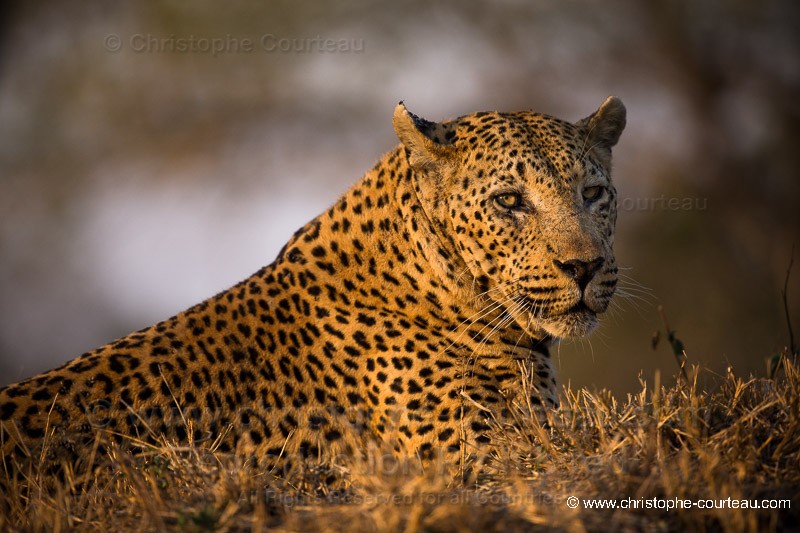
(579, 321)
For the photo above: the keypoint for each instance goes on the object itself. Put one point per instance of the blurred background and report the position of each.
(153, 154)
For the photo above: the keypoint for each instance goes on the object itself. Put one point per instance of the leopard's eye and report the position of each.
(591, 194)
(510, 200)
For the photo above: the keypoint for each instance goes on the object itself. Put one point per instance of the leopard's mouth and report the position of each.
(579, 307)
(544, 311)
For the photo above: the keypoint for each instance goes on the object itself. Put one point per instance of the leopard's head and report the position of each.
(526, 202)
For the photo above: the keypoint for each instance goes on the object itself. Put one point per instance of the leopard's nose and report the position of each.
(581, 271)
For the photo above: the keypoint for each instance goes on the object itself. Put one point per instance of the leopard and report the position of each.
(408, 313)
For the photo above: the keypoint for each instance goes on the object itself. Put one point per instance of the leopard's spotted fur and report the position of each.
(404, 312)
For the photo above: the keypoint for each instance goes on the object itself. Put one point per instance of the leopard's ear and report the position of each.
(603, 127)
(428, 143)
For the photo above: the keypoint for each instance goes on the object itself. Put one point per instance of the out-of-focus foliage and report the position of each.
(142, 171)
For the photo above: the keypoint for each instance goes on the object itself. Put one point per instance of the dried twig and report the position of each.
(777, 361)
(675, 343)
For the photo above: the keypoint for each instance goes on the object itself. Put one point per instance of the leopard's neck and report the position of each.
(380, 229)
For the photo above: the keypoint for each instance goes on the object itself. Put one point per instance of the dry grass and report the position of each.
(711, 437)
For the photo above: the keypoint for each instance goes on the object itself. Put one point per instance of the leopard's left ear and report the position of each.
(429, 143)
(604, 126)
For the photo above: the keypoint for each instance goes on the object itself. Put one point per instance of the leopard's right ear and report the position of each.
(428, 143)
